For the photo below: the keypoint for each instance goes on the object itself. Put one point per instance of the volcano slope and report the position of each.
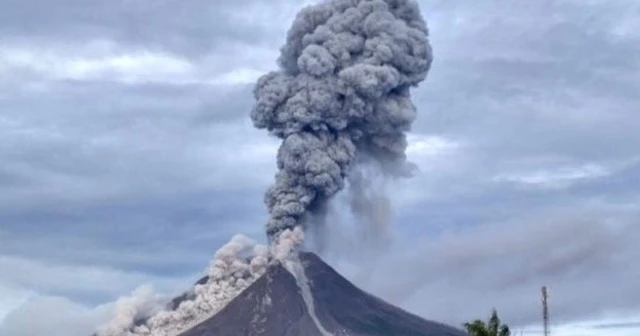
(277, 304)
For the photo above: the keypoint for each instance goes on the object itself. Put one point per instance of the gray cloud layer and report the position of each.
(537, 101)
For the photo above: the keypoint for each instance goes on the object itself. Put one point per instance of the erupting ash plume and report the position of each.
(341, 98)
(340, 103)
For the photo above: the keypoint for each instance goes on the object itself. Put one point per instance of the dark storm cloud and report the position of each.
(67, 136)
(98, 171)
(549, 77)
(191, 27)
(94, 166)
(139, 228)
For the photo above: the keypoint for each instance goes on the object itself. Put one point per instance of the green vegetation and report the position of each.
(489, 328)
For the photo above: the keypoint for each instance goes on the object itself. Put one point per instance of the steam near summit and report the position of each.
(340, 99)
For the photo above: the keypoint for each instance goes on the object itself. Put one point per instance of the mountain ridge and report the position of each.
(274, 305)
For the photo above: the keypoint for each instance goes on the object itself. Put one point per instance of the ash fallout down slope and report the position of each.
(275, 305)
(341, 99)
(297, 294)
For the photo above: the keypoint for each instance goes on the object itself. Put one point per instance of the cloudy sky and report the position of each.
(127, 157)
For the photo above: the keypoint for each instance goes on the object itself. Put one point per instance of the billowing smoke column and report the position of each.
(341, 97)
(340, 101)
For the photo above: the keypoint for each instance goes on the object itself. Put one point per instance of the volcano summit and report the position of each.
(279, 291)
(312, 300)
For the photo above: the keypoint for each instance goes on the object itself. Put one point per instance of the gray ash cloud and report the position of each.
(341, 97)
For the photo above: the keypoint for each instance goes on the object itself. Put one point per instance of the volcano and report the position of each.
(310, 298)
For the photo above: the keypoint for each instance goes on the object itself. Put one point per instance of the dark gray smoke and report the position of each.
(341, 96)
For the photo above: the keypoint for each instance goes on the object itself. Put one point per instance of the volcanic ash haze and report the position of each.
(341, 98)
(233, 269)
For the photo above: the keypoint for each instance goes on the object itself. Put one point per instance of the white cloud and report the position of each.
(238, 76)
(560, 177)
(615, 325)
(46, 315)
(27, 310)
(105, 60)
(95, 61)
(435, 157)
(41, 277)
(53, 315)
(429, 146)
(12, 298)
